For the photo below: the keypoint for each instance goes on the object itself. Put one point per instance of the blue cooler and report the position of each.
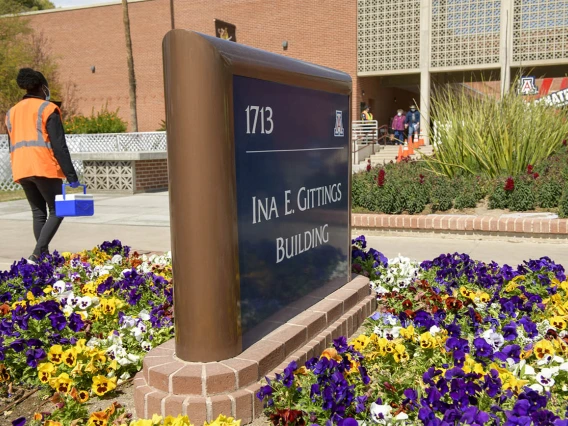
(74, 204)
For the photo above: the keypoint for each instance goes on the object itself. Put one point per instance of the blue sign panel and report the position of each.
(292, 173)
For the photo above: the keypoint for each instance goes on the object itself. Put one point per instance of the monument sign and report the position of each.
(259, 166)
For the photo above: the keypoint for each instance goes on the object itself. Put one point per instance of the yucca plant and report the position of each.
(485, 136)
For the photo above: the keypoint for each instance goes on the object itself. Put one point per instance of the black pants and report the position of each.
(41, 193)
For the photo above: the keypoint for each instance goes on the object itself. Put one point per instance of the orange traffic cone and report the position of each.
(399, 156)
(411, 148)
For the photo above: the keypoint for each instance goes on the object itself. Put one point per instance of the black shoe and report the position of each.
(33, 259)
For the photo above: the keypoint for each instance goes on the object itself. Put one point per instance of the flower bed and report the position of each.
(412, 187)
(454, 342)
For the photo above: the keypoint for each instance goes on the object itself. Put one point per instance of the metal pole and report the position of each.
(172, 14)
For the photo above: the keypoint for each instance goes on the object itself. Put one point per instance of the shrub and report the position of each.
(104, 121)
(492, 137)
(442, 195)
(522, 198)
(499, 198)
(549, 194)
(563, 206)
(415, 196)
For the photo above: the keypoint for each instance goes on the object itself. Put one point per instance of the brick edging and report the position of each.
(454, 223)
(170, 386)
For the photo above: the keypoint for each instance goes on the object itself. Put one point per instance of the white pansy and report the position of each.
(144, 315)
(558, 359)
(529, 371)
(536, 387)
(434, 330)
(67, 310)
(111, 351)
(58, 288)
(128, 322)
(494, 339)
(544, 378)
(116, 259)
(93, 342)
(137, 333)
(146, 346)
(401, 416)
(133, 358)
(125, 376)
(381, 414)
(73, 300)
(379, 289)
(392, 333)
(84, 302)
(563, 366)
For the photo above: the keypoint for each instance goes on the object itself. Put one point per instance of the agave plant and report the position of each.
(492, 137)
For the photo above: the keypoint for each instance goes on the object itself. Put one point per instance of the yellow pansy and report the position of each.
(466, 292)
(80, 346)
(48, 289)
(52, 423)
(400, 353)
(558, 322)
(62, 383)
(70, 357)
(45, 371)
(331, 353)
(89, 289)
(4, 375)
(102, 384)
(361, 342)
(21, 303)
(98, 418)
(408, 332)
(543, 348)
(484, 297)
(55, 354)
(427, 341)
(470, 366)
(222, 421)
(141, 422)
(510, 287)
(66, 255)
(83, 396)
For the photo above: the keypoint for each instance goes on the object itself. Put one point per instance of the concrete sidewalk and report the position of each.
(142, 222)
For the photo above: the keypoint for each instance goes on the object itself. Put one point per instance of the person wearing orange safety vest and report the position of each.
(39, 155)
(366, 114)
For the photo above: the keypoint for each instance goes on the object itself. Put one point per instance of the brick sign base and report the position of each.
(202, 391)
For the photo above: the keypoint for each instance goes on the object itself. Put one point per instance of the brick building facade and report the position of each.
(324, 33)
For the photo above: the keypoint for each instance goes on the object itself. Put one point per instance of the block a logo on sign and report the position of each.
(528, 86)
(338, 132)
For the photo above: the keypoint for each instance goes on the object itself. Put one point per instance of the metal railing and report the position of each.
(101, 142)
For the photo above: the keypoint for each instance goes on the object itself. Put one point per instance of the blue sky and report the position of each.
(69, 3)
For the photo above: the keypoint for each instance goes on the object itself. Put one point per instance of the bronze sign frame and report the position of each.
(198, 73)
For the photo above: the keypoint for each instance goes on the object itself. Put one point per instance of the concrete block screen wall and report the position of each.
(131, 172)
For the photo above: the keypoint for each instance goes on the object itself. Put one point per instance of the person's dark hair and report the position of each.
(30, 80)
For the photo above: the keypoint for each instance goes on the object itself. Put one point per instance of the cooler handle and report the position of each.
(63, 186)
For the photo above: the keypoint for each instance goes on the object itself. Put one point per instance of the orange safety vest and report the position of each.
(30, 148)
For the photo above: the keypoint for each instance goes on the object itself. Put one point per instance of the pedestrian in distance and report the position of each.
(366, 114)
(412, 122)
(39, 155)
(398, 127)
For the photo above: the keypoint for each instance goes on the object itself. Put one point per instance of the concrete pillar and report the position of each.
(425, 11)
(506, 44)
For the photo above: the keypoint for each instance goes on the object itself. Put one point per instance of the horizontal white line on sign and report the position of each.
(293, 150)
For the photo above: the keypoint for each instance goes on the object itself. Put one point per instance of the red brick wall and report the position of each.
(150, 175)
(322, 32)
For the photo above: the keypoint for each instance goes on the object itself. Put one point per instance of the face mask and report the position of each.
(412, 109)
(399, 114)
(46, 92)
